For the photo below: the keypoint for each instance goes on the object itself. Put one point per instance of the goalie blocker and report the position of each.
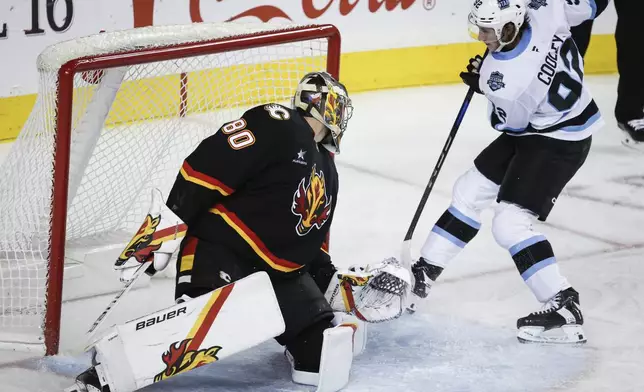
(206, 329)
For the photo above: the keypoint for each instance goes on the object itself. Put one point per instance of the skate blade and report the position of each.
(568, 334)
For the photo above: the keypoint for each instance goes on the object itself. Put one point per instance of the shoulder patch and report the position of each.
(496, 81)
(536, 4)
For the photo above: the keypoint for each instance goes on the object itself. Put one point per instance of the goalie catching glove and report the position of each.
(156, 240)
(373, 293)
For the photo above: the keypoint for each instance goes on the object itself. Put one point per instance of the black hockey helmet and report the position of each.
(322, 97)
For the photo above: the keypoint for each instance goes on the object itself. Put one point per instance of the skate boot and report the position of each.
(88, 381)
(560, 321)
(634, 130)
(425, 274)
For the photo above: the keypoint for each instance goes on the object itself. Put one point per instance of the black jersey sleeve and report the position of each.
(221, 164)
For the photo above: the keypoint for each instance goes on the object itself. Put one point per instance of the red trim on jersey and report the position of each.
(204, 180)
(254, 241)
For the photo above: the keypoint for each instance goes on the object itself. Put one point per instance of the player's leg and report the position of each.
(473, 192)
(178, 339)
(534, 180)
(630, 91)
(204, 266)
(320, 350)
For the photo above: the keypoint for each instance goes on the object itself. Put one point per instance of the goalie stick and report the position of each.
(139, 272)
(406, 246)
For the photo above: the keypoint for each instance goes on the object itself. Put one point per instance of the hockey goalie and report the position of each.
(249, 214)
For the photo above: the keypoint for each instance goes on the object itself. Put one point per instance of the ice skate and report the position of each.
(425, 274)
(88, 381)
(634, 131)
(559, 322)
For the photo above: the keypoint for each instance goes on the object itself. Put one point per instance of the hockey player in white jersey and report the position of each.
(533, 79)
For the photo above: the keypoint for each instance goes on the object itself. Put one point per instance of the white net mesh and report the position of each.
(131, 128)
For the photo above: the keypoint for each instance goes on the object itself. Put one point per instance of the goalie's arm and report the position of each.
(220, 165)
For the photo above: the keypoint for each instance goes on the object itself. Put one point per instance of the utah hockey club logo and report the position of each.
(503, 4)
(536, 4)
(496, 81)
(310, 203)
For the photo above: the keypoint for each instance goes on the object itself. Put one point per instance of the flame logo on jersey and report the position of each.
(179, 359)
(310, 203)
(139, 245)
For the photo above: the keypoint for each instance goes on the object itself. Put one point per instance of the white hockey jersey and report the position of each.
(537, 87)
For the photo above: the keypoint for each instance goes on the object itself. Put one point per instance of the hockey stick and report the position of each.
(406, 246)
(137, 274)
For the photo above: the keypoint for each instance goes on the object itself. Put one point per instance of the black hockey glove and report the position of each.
(471, 77)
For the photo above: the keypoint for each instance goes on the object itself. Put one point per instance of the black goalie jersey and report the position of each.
(262, 187)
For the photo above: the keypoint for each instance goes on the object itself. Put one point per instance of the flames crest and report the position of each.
(310, 203)
(179, 359)
(139, 244)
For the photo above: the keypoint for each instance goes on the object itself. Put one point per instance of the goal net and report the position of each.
(115, 116)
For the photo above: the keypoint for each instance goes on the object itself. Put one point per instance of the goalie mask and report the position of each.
(322, 97)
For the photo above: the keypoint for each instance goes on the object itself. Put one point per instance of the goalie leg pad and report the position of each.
(190, 334)
(335, 361)
(359, 330)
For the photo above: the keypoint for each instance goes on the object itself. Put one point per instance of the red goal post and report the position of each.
(250, 55)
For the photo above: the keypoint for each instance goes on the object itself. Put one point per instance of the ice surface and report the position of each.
(462, 338)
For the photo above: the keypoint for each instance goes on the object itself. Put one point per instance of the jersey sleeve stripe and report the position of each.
(191, 175)
(253, 240)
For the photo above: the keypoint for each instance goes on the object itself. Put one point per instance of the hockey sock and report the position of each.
(537, 265)
(450, 234)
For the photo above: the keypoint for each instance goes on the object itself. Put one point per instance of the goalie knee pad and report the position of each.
(359, 330)
(335, 361)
